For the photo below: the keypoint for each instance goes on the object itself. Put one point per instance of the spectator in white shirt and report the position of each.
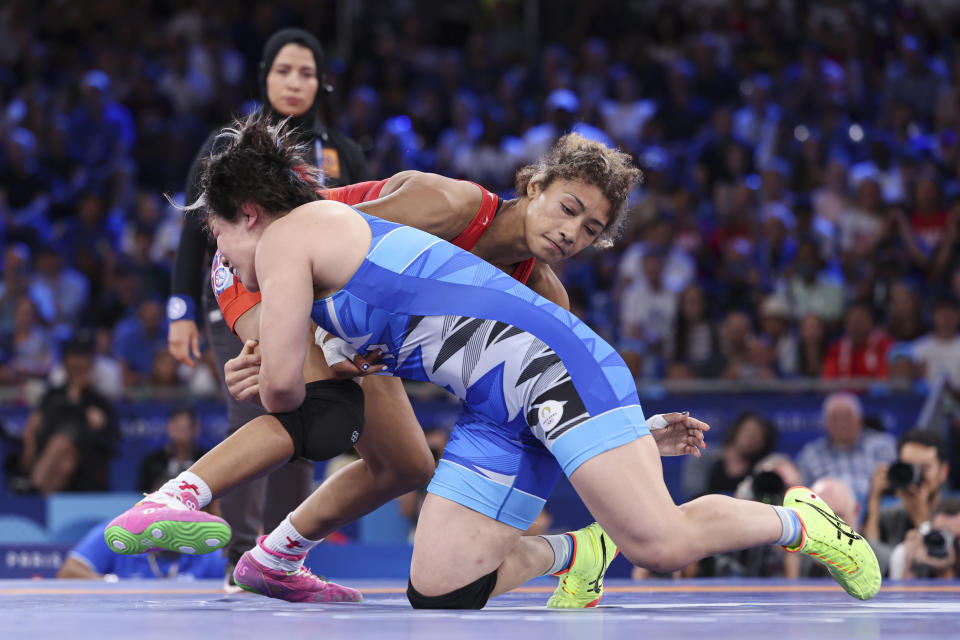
(939, 351)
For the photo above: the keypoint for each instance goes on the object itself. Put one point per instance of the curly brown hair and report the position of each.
(256, 161)
(574, 157)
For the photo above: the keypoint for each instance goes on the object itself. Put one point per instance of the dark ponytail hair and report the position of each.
(256, 161)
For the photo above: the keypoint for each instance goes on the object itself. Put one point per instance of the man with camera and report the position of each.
(916, 479)
(930, 550)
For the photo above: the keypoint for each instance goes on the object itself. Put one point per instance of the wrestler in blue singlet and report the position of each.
(541, 391)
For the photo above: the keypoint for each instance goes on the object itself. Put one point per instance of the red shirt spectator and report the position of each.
(862, 351)
(928, 220)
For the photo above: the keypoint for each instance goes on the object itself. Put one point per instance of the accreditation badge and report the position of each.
(331, 163)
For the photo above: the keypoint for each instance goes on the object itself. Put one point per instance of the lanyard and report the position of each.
(318, 150)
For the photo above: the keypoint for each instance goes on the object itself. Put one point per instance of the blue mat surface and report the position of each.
(715, 609)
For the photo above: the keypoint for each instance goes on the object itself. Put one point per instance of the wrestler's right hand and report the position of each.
(242, 373)
(183, 338)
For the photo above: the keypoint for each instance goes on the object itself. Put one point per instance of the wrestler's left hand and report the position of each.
(678, 434)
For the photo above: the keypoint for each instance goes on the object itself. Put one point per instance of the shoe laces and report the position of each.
(166, 499)
(303, 572)
(832, 554)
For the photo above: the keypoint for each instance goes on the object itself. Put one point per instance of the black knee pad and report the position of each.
(329, 422)
(472, 596)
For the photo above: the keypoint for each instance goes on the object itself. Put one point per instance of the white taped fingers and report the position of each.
(334, 349)
(656, 422)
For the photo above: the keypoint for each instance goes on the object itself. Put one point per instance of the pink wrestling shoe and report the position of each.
(293, 586)
(163, 521)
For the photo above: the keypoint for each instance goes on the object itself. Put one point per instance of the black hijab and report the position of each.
(308, 121)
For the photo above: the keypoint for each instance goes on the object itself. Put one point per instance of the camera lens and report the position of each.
(901, 475)
(768, 487)
(936, 544)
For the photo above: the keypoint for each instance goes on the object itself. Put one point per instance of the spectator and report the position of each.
(679, 268)
(164, 372)
(911, 79)
(904, 318)
(775, 248)
(70, 437)
(811, 347)
(29, 351)
(938, 352)
(903, 372)
(810, 287)
(736, 335)
(625, 115)
(647, 307)
(946, 260)
(154, 277)
(102, 133)
(695, 343)
(136, 340)
(775, 322)
(15, 285)
(92, 559)
(561, 108)
(67, 290)
(916, 495)
(862, 225)
(830, 202)
(862, 351)
(178, 454)
(750, 438)
(930, 551)
(847, 452)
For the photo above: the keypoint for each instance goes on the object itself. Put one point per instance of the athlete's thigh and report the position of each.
(392, 436)
(624, 490)
(455, 545)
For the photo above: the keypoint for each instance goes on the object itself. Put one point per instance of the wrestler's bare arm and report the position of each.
(430, 202)
(314, 250)
(545, 282)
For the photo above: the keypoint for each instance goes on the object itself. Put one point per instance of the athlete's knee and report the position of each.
(329, 422)
(471, 596)
(661, 556)
(665, 550)
(410, 475)
(420, 469)
(402, 472)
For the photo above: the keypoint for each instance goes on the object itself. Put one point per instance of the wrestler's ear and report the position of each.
(534, 187)
(251, 212)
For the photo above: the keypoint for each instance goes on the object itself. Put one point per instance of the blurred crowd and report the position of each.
(800, 214)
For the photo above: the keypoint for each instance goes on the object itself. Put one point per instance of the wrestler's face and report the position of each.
(237, 241)
(292, 81)
(564, 218)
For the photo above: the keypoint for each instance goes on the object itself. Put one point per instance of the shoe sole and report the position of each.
(183, 537)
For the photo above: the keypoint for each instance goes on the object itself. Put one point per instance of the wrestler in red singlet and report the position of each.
(235, 300)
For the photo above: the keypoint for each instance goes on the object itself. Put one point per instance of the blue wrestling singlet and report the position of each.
(541, 391)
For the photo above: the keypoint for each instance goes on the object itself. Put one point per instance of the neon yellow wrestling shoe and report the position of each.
(834, 543)
(581, 584)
